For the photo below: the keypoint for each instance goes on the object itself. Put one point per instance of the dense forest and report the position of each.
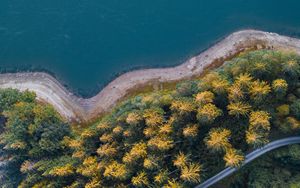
(168, 138)
(276, 169)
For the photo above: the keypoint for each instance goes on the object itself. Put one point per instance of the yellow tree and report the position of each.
(72, 143)
(238, 109)
(117, 130)
(218, 139)
(127, 133)
(259, 68)
(103, 163)
(162, 143)
(151, 162)
(94, 183)
(255, 139)
(87, 134)
(205, 97)
(17, 145)
(134, 118)
(259, 90)
(103, 126)
(154, 117)
(141, 180)
(116, 170)
(208, 79)
(293, 123)
(128, 159)
(107, 150)
(89, 167)
(244, 80)
(166, 129)
(149, 99)
(80, 154)
(208, 113)
(173, 184)
(139, 150)
(181, 160)
(106, 138)
(26, 166)
(151, 131)
(220, 86)
(259, 119)
(190, 131)
(43, 183)
(191, 173)
(235, 93)
(161, 177)
(291, 68)
(280, 87)
(183, 107)
(233, 158)
(65, 170)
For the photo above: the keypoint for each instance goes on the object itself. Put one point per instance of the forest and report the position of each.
(278, 168)
(169, 138)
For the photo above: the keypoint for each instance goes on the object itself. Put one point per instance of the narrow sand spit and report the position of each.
(74, 108)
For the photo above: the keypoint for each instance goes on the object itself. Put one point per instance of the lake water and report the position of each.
(86, 43)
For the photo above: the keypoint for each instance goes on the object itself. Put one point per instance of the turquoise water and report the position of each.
(85, 44)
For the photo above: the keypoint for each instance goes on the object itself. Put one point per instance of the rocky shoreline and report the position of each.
(74, 108)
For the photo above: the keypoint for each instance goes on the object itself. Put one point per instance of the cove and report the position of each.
(86, 44)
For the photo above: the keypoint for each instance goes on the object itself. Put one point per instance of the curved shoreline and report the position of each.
(75, 108)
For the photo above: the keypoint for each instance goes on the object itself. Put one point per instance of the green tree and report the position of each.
(295, 108)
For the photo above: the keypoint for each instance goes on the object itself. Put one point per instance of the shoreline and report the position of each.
(74, 108)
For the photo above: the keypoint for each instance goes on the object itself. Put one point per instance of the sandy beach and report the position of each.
(74, 108)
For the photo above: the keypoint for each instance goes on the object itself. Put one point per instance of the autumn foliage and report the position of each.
(168, 138)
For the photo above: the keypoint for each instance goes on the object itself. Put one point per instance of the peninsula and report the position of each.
(75, 108)
(220, 110)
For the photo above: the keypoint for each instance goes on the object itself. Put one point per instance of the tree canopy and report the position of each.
(168, 138)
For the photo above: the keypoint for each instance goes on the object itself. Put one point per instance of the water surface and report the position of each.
(87, 43)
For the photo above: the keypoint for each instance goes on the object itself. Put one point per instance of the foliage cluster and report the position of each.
(279, 168)
(168, 138)
(32, 149)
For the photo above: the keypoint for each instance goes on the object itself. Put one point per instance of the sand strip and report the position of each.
(74, 108)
